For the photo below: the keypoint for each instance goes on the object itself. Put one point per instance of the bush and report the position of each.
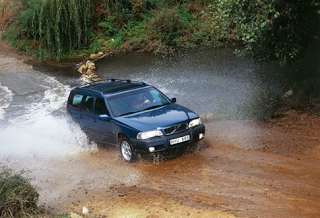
(18, 198)
(165, 26)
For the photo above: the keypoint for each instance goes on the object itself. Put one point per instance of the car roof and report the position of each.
(108, 87)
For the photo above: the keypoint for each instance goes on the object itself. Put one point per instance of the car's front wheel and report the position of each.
(126, 150)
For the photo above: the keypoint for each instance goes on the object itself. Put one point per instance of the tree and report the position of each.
(272, 29)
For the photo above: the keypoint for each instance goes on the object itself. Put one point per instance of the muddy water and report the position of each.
(208, 81)
(36, 134)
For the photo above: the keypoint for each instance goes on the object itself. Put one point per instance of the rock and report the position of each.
(74, 215)
(90, 65)
(82, 69)
(85, 211)
(89, 72)
(209, 116)
(95, 56)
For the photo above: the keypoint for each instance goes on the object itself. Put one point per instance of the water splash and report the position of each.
(5, 99)
(43, 129)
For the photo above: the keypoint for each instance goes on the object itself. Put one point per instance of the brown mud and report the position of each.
(242, 169)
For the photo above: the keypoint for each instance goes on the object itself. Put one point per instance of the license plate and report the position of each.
(179, 140)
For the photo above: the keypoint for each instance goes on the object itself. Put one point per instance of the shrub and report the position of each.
(165, 26)
(18, 198)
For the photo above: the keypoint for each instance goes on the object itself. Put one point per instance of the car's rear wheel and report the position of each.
(126, 150)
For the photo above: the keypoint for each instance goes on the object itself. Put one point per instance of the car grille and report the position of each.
(175, 129)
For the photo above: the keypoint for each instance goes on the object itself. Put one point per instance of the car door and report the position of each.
(87, 118)
(103, 128)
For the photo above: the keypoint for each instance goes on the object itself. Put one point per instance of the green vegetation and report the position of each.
(50, 29)
(18, 198)
(269, 29)
(272, 29)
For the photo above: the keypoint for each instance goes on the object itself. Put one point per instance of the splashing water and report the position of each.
(42, 129)
(5, 99)
(37, 135)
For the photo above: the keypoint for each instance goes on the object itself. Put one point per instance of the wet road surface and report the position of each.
(245, 182)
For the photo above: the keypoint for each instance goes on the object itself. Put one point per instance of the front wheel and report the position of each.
(126, 150)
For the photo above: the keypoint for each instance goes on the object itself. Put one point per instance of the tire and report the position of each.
(126, 150)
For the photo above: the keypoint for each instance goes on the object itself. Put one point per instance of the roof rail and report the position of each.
(108, 80)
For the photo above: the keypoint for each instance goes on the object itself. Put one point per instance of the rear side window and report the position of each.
(87, 104)
(100, 107)
(75, 101)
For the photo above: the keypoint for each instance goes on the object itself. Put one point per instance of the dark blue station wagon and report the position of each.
(134, 116)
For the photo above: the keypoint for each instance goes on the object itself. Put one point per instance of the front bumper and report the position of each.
(162, 143)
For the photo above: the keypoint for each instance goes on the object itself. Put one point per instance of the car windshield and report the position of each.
(136, 101)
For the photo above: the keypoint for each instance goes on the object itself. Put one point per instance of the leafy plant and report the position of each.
(270, 29)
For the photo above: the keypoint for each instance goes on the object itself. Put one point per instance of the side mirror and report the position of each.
(104, 117)
(173, 100)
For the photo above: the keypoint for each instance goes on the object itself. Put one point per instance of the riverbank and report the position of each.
(10, 59)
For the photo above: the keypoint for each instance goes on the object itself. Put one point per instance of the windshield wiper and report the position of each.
(155, 106)
(131, 112)
(148, 108)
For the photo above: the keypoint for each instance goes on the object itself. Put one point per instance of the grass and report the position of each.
(18, 198)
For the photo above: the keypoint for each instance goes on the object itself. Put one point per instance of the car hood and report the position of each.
(161, 117)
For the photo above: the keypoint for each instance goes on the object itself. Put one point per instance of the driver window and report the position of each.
(87, 104)
(100, 107)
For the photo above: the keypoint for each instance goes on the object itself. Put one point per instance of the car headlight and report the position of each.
(195, 122)
(149, 134)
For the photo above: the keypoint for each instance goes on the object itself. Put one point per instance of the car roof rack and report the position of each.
(98, 85)
(109, 80)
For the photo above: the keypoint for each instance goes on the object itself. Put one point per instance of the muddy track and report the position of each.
(225, 178)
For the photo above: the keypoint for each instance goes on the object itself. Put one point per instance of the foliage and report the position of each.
(271, 29)
(18, 198)
(165, 26)
(63, 25)
(54, 26)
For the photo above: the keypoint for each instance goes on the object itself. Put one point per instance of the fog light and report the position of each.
(151, 149)
(201, 136)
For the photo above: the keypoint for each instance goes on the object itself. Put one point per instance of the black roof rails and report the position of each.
(108, 80)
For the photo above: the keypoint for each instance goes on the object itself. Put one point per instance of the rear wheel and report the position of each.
(126, 150)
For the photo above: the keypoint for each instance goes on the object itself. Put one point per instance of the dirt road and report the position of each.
(242, 169)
